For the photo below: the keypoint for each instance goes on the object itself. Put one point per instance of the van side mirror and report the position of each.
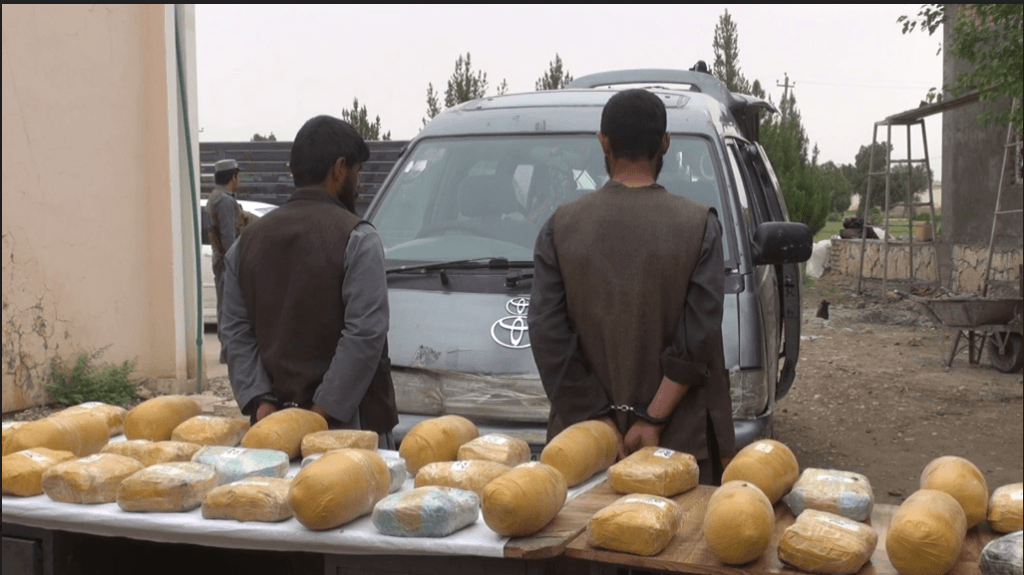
(778, 243)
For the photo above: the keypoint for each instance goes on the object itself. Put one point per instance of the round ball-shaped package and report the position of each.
(739, 522)
(766, 463)
(926, 533)
(155, 419)
(961, 479)
(1006, 508)
(524, 500)
(581, 450)
(80, 433)
(437, 439)
(338, 487)
(284, 430)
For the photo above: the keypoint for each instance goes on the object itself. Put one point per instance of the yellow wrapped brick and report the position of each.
(926, 534)
(8, 430)
(324, 441)
(114, 415)
(80, 433)
(524, 500)
(822, 542)
(1006, 508)
(496, 447)
(581, 450)
(155, 419)
(338, 487)
(437, 439)
(472, 475)
(251, 499)
(640, 524)
(766, 463)
(656, 471)
(149, 452)
(211, 430)
(283, 430)
(92, 479)
(739, 522)
(961, 479)
(23, 470)
(167, 487)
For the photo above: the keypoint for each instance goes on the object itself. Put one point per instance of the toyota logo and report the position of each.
(511, 331)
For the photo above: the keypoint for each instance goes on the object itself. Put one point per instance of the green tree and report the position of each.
(360, 119)
(257, 137)
(988, 37)
(556, 77)
(727, 55)
(465, 85)
(840, 191)
(433, 108)
(858, 177)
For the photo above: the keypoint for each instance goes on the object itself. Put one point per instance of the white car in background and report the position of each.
(257, 209)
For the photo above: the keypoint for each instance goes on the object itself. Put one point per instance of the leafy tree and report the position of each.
(556, 77)
(465, 85)
(839, 189)
(858, 177)
(359, 118)
(433, 108)
(257, 137)
(988, 37)
(727, 55)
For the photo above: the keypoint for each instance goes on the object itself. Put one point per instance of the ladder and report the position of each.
(1009, 149)
(908, 205)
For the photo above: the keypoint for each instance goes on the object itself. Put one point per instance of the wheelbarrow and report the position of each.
(980, 320)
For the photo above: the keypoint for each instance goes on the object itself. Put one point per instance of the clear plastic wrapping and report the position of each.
(841, 492)
(234, 463)
(1006, 508)
(1003, 556)
(640, 524)
(655, 471)
(426, 512)
(822, 542)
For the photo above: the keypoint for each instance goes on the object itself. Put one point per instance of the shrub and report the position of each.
(923, 217)
(86, 382)
(835, 217)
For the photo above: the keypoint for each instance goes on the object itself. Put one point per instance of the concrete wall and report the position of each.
(95, 238)
(845, 260)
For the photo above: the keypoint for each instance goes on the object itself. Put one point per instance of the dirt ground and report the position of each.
(873, 395)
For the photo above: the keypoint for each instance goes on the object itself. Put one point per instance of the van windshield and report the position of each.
(487, 197)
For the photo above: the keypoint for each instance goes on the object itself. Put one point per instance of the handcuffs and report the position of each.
(637, 410)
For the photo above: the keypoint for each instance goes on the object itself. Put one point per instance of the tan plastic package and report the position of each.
(167, 487)
(496, 447)
(840, 492)
(739, 522)
(92, 479)
(23, 470)
(324, 441)
(114, 415)
(283, 430)
(1006, 508)
(80, 433)
(155, 419)
(251, 499)
(766, 463)
(436, 439)
(8, 430)
(340, 486)
(655, 470)
(961, 479)
(149, 452)
(926, 533)
(581, 450)
(524, 500)
(211, 430)
(822, 542)
(471, 475)
(640, 524)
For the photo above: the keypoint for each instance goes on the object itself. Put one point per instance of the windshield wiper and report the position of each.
(478, 263)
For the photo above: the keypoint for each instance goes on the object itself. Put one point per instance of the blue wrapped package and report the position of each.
(234, 463)
(841, 492)
(426, 512)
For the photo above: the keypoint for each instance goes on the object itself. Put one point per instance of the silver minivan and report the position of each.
(460, 212)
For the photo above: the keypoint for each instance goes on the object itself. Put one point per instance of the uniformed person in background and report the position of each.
(226, 221)
(626, 308)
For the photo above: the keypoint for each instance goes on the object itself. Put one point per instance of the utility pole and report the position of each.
(785, 94)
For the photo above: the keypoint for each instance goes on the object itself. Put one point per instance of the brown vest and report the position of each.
(626, 256)
(291, 270)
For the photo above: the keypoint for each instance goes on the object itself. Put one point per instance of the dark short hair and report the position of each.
(222, 178)
(634, 123)
(319, 144)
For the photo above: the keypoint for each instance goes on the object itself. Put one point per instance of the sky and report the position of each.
(265, 69)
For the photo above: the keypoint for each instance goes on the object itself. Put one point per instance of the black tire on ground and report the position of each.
(1012, 358)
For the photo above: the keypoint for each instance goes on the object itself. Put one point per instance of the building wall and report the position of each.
(92, 225)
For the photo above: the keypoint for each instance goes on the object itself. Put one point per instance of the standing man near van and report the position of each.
(305, 314)
(226, 221)
(626, 307)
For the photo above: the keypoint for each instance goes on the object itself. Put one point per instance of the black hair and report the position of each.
(223, 178)
(634, 123)
(319, 144)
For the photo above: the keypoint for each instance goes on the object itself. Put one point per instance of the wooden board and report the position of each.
(688, 553)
